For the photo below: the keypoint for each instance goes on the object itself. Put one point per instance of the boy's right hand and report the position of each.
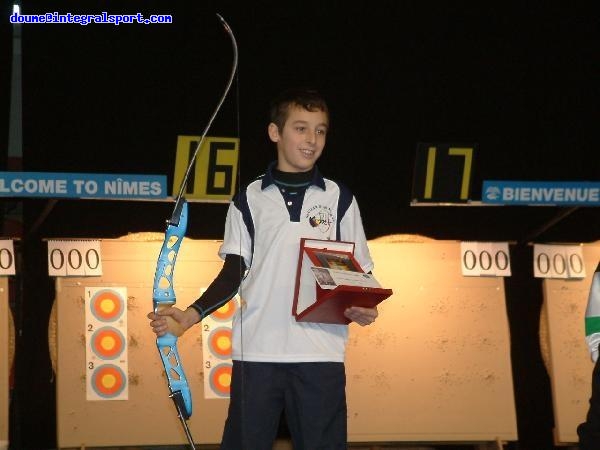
(169, 319)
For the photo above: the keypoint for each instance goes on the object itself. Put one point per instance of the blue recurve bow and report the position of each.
(163, 291)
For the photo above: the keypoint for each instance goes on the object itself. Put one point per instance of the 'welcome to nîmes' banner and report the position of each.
(82, 185)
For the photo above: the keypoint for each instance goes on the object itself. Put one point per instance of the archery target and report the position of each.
(219, 342)
(220, 379)
(106, 343)
(108, 381)
(106, 305)
(216, 346)
(225, 313)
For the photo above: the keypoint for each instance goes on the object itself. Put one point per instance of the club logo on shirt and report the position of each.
(320, 217)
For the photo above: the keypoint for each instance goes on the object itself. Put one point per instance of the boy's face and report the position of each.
(301, 141)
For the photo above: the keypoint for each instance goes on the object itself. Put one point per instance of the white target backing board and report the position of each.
(106, 339)
(567, 357)
(148, 416)
(435, 366)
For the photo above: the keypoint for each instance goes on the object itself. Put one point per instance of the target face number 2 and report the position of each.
(106, 343)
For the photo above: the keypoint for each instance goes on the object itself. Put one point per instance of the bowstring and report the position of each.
(232, 75)
(241, 262)
(178, 200)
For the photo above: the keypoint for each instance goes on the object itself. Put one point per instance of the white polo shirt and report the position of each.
(261, 228)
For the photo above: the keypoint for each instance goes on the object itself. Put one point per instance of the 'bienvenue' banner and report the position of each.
(541, 193)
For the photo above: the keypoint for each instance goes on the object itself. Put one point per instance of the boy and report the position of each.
(280, 364)
(589, 431)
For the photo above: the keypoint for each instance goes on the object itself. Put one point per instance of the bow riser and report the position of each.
(163, 291)
(164, 296)
(178, 385)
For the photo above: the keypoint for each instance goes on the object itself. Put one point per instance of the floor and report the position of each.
(286, 445)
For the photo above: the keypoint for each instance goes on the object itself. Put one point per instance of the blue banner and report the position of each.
(82, 185)
(551, 193)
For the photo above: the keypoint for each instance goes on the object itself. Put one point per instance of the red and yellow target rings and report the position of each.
(219, 342)
(225, 312)
(220, 379)
(108, 381)
(106, 305)
(108, 342)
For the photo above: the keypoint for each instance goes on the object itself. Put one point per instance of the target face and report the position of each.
(219, 342)
(107, 306)
(220, 379)
(225, 313)
(217, 346)
(107, 343)
(108, 381)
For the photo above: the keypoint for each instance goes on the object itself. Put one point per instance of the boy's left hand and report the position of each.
(362, 316)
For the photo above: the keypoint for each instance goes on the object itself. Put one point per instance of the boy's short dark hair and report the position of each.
(307, 98)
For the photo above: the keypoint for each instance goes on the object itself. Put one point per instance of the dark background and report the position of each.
(520, 81)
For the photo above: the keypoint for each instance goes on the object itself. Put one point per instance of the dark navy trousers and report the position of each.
(589, 431)
(312, 396)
